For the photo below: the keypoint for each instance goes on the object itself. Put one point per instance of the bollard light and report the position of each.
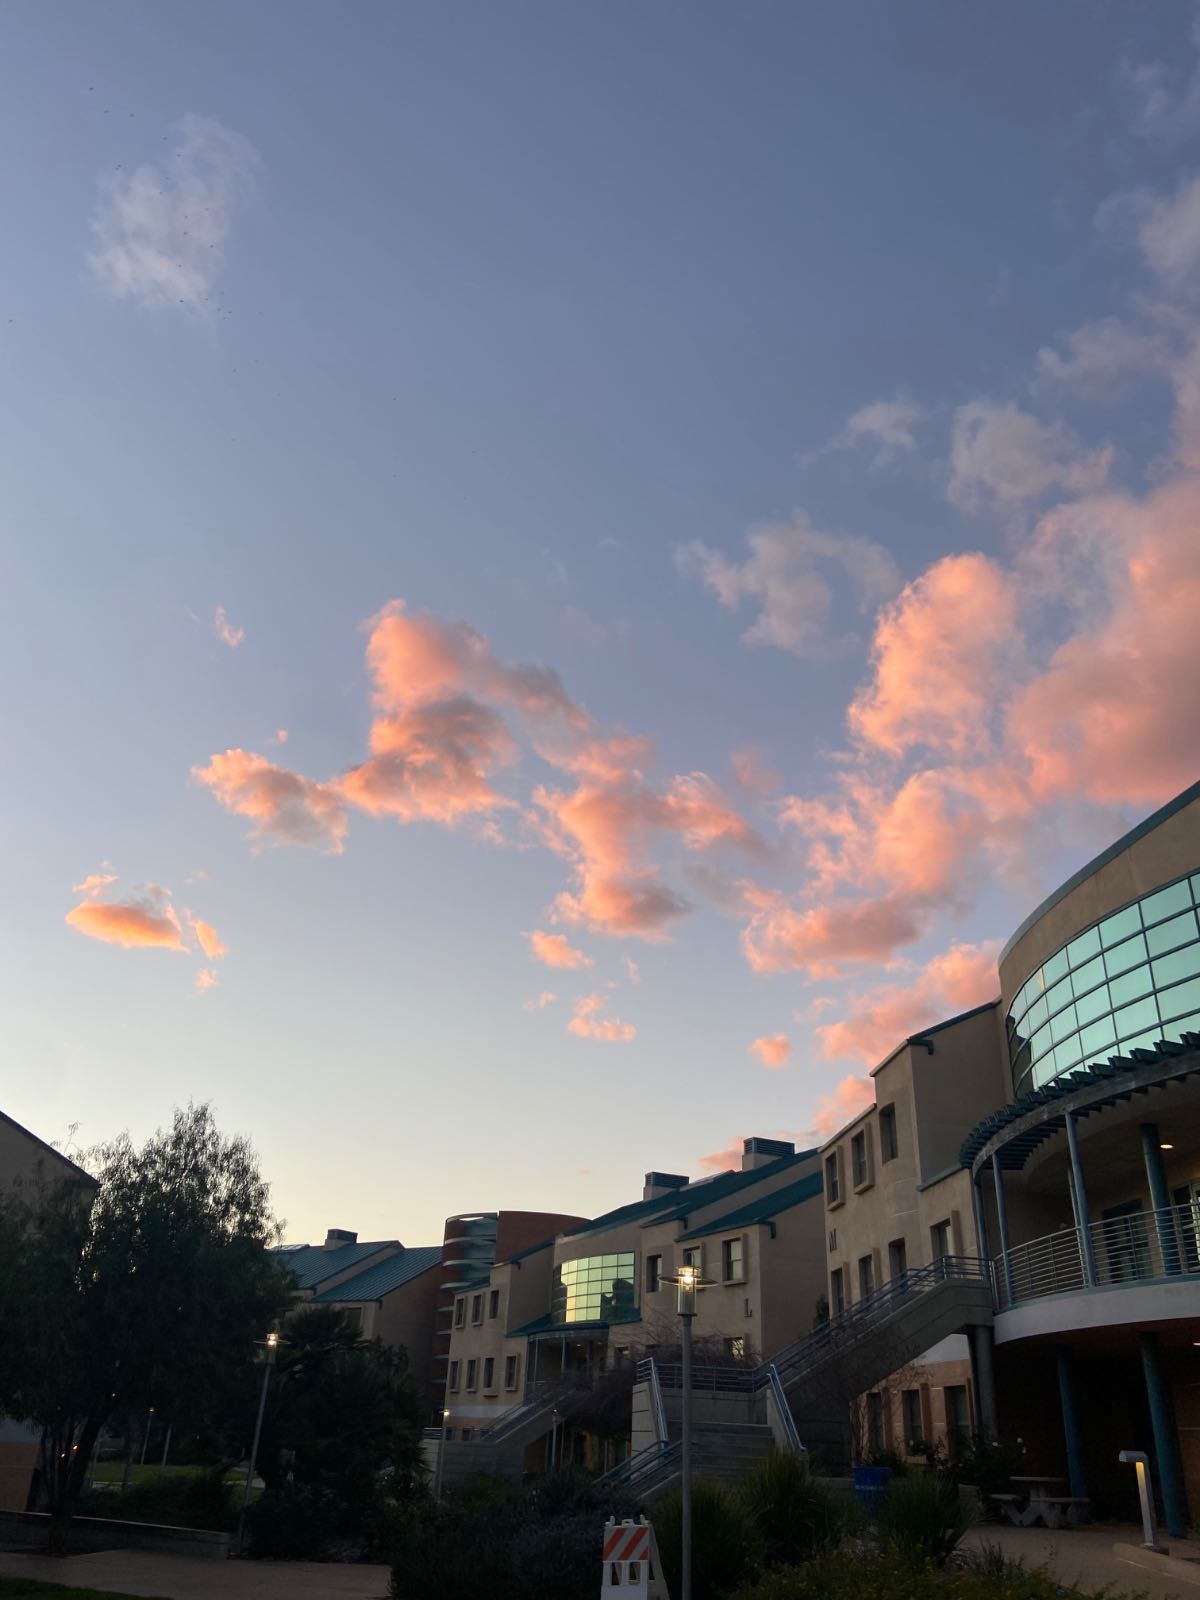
(1141, 1465)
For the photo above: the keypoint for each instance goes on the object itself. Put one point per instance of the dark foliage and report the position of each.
(725, 1544)
(202, 1500)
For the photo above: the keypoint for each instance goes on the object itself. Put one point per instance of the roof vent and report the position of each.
(761, 1152)
(660, 1183)
(337, 1237)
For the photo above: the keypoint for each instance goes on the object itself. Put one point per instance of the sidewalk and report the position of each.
(1109, 1553)
(181, 1578)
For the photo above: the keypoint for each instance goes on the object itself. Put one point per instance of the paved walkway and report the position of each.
(184, 1578)
(1109, 1553)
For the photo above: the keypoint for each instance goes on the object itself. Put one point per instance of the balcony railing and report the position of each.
(1139, 1247)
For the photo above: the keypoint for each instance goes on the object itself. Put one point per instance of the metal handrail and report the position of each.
(846, 1328)
(647, 1465)
(657, 1407)
(1139, 1247)
(787, 1421)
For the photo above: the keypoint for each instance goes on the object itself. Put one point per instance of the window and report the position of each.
(888, 1147)
(653, 1274)
(595, 1289)
(958, 1416)
(875, 1439)
(866, 1276)
(833, 1189)
(837, 1292)
(460, 1311)
(489, 1372)
(511, 1367)
(940, 1240)
(472, 1374)
(732, 1263)
(735, 1348)
(914, 1421)
(691, 1257)
(832, 1240)
(454, 1371)
(897, 1259)
(493, 1305)
(476, 1308)
(860, 1166)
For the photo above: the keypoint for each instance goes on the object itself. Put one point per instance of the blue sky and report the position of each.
(812, 381)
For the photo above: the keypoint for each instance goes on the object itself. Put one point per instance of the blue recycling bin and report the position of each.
(870, 1487)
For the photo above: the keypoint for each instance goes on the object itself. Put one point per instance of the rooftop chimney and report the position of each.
(660, 1183)
(337, 1237)
(761, 1152)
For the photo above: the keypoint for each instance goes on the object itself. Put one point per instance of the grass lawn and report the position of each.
(114, 1472)
(28, 1589)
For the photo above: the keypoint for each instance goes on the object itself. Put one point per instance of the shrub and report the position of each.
(922, 1517)
(178, 1500)
(292, 1521)
(724, 1545)
(859, 1576)
(794, 1513)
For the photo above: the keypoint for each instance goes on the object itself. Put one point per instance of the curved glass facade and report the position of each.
(1119, 985)
(595, 1289)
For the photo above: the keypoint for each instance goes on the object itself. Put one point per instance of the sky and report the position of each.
(570, 573)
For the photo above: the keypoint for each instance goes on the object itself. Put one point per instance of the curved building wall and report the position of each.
(1111, 962)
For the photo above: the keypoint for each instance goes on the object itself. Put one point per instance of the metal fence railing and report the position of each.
(1136, 1247)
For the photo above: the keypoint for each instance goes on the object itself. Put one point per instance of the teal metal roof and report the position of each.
(630, 1213)
(698, 1196)
(529, 1250)
(376, 1281)
(545, 1327)
(762, 1209)
(312, 1264)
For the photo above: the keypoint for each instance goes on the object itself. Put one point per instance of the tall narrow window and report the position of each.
(510, 1371)
(859, 1165)
(866, 1276)
(489, 1372)
(888, 1147)
(460, 1311)
(837, 1292)
(914, 1421)
(455, 1368)
(493, 1304)
(732, 1264)
(940, 1240)
(875, 1440)
(477, 1308)
(472, 1374)
(833, 1189)
(897, 1259)
(653, 1274)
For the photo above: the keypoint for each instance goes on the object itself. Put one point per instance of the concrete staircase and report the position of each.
(724, 1450)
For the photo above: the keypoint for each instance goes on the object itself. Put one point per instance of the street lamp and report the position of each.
(688, 1282)
(437, 1481)
(270, 1345)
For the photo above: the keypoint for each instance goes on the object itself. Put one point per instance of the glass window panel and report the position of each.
(1130, 985)
(1068, 1054)
(1037, 1016)
(1183, 997)
(1063, 1024)
(1196, 887)
(1093, 1005)
(1088, 975)
(1133, 1019)
(1179, 930)
(1055, 968)
(1024, 1084)
(1041, 1042)
(1182, 1025)
(1043, 1070)
(1165, 903)
(1123, 956)
(1141, 1041)
(1058, 995)
(1170, 969)
(1098, 1040)
(1084, 948)
(1119, 926)
(1021, 1060)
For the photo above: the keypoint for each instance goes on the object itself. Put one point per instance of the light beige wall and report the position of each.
(1167, 852)
(964, 1080)
(406, 1317)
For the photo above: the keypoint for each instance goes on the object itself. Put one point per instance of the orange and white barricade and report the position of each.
(631, 1561)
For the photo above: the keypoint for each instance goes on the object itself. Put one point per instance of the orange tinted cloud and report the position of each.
(963, 977)
(207, 978)
(556, 950)
(145, 921)
(722, 1160)
(772, 1049)
(539, 1002)
(282, 805)
(753, 773)
(821, 939)
(851, 1096)
(208, 938)
(94, 883)
(432, 762)
(587, 1022)
(225, 630)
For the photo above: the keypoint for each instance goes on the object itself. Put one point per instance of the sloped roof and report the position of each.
(49, 1150)
(763, 1208)
(376, 1281)
(312, 1264)
(633, 1212)
(698, 1196)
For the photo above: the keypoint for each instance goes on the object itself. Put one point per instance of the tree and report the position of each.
(150, 1292)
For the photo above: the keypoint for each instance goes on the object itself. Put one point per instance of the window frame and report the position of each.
(913, 1400)
(728, 1275)
(837, 1291)
(472, 1383)
(454, 1377)
(833, 1180)
(512, 1371)
(654, 1272)
(866, 1275)
(493, 1304)
(460, 1311)
(489, 1375)
(860, 1146)
(477, 1309)
(889, 1144)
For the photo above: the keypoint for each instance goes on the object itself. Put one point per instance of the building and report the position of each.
(1053, 1135)
(559, 1316)
(27, 1162)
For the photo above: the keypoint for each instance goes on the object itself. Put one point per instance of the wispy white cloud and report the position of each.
(161, 232)
(887, 426)
(226, 630)
(1001, 457)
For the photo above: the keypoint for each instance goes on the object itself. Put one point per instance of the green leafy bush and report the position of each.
(725, 1547)
(202, 1500)
(794, 1513)
(857, 1575)
(292, 1521)
(923, 1518)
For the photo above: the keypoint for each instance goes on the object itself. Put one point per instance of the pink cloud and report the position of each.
(432, 762)
(587, 1022)
(539, 1002)
(962, 977)
(208, 938)
(145, 921)
(556, 950)
(821, 939)
(722, 1160)
(753, 773)
(283, 806)
(225, 630)
(772, 1049)
(207, 978)
(852, 1096)
(94, 883)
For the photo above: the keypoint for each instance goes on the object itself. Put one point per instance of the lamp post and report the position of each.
(146, 1435)
(270, 1345)
(437, 1481)
(688, 1282)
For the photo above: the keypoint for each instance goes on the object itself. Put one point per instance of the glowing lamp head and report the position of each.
(272, 1341)
(687, 1277)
